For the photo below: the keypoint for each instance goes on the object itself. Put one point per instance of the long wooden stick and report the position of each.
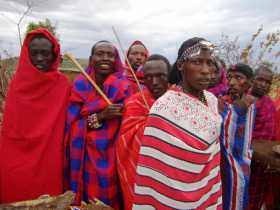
(130, 68)
(75, 62)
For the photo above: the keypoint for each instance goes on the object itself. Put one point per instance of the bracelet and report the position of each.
(93, 121)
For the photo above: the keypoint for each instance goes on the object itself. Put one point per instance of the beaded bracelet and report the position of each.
(93, 121)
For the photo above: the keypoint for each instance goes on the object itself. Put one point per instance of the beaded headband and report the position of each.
(196, 50)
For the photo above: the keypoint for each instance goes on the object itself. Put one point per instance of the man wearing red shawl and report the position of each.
(92, 128)
(265, 129)
(137, 55)
(134, 119)
(178, 166)
(31, 146)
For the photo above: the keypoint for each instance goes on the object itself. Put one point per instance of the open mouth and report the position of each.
(40, 66)
(105, 66)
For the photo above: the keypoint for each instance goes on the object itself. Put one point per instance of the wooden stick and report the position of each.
(130, 68)
(75, 62)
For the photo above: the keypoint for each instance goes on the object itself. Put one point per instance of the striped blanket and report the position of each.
(179, 160)
(236, 136)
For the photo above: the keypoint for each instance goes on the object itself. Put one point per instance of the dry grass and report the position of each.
(275, 86)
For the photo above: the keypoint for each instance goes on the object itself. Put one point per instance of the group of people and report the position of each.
(172, 137)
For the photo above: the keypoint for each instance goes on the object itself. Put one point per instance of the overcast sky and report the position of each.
(161, 24)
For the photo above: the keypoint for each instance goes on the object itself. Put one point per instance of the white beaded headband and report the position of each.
(196, 50)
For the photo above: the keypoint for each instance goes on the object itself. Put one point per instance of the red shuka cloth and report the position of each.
(132, 129)
(31, 144)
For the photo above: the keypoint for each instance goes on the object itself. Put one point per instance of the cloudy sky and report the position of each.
(161, 24)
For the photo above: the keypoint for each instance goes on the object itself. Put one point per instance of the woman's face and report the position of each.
(196, 72)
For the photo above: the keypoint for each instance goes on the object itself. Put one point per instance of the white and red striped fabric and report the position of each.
(236, 154)
(179, 160)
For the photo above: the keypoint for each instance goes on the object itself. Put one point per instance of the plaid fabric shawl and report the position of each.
(90, 154)
(236, 154)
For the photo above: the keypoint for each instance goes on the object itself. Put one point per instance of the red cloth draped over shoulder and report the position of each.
(31, 145)
(128, 145)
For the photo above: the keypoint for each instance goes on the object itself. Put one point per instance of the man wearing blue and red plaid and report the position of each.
(92, 128)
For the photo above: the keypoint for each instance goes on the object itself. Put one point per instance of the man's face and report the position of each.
(41, 53)
(238, 84)
(156, 77)
(103, 58)
(262, 83)
(137, 56)
(196, 71)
